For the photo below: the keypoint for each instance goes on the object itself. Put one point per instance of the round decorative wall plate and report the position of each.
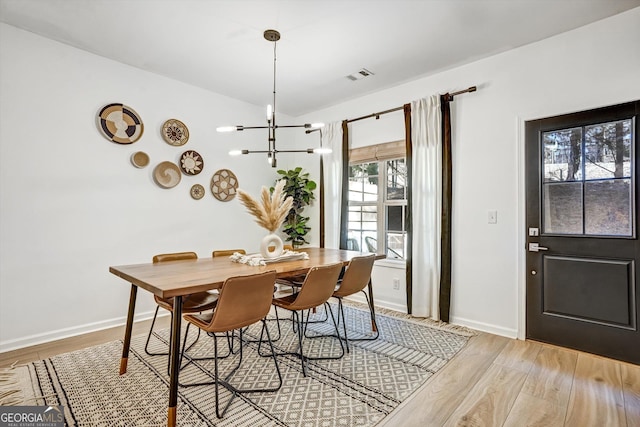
(197, 191)
(119, 123)
(140, 159)
(175, 132)
(191, 162)
(223, 185)
(167, 174)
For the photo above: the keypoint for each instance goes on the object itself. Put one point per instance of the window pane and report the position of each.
(396, 179)
(396, 245)
(562, 155)
(363, 222)
(607, 209)
(562, 208)
(363, 182)
(607, 150)
(395, 218)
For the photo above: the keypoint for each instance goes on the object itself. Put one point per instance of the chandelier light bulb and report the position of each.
(227, 128)
(322, 150)
(269, 112)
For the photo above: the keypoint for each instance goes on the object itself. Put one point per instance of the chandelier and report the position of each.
(272, 151)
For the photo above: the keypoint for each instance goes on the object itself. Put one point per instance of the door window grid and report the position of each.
(587, 188)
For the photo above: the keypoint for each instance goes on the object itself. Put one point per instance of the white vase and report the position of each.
(271, 241)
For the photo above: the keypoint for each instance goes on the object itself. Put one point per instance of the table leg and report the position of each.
(128, 328)
(174, 354)
(374, 327)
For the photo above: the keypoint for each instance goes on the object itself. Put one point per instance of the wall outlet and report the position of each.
(396, 284)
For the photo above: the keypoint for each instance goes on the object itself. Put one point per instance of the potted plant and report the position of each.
(300, 188)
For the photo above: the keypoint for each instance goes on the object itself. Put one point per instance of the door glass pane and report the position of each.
(608, 150)
(607, 207)
(562, 155)
(562, 208)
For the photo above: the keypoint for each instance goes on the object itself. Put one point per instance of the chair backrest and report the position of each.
(318, 286)
(227, 252)
(176, 256)
(243, 300)
(352, 245)
(356, 276)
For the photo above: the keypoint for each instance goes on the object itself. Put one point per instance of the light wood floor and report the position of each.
(493, 381)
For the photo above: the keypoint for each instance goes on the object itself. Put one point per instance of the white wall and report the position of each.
(590, 67)
(71, 202)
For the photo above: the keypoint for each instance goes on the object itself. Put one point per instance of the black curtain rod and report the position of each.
(377, 115)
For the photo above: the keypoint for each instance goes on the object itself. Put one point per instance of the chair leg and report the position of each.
(344, 323)
(146, 346)
(277, 319)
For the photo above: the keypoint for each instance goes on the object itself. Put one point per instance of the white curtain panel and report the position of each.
(332, 138)
(426, 205)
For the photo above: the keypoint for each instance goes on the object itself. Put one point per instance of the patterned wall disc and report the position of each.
(175, 132)
(140, 159)
(167, 174)
(197, 191)
(191, 162)
(223, 185)
(119, 123)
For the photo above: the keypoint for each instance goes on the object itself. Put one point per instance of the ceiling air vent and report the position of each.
(360, 74)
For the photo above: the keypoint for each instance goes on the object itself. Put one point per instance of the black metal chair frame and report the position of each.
(217, 381)
(299, 327)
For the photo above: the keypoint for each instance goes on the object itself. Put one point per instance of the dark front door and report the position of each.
(583, 251)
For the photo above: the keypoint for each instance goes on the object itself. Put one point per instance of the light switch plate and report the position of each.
(492, 217)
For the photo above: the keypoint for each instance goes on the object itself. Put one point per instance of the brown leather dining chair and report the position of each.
(356, 277)
(194, 303)
(243, 301)
(316, 289)
(227, 252)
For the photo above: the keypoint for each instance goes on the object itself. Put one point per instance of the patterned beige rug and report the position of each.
(359, 389)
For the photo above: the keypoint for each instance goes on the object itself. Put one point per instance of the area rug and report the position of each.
(359, 389)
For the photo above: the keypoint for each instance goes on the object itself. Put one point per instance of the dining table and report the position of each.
(177, 279)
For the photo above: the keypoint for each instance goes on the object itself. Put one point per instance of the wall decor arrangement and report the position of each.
(197, 191)
(167, 174)
(224, 185)
(120, 123)
(175, 132)
(140, 159)
(191, 162)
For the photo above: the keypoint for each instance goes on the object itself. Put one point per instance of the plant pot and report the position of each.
(271, 241)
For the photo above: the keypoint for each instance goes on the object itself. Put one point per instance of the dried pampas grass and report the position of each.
(272, 209)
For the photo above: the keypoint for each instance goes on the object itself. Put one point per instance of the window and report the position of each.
(377, 206)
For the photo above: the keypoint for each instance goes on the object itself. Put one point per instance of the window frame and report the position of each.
(382, 154)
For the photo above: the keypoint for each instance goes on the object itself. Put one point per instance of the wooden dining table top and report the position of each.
(173, 278)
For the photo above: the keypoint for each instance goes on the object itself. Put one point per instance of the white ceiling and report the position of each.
(219, 45)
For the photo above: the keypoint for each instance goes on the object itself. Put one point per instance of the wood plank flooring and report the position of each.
(493, 381)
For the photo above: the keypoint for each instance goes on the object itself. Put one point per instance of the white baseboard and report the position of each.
(36, 339)
(484, 327)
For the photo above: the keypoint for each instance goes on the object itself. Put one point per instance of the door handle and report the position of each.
(535, 247)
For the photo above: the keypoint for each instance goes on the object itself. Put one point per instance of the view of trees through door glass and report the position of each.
(377, 212)
(587, 187)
